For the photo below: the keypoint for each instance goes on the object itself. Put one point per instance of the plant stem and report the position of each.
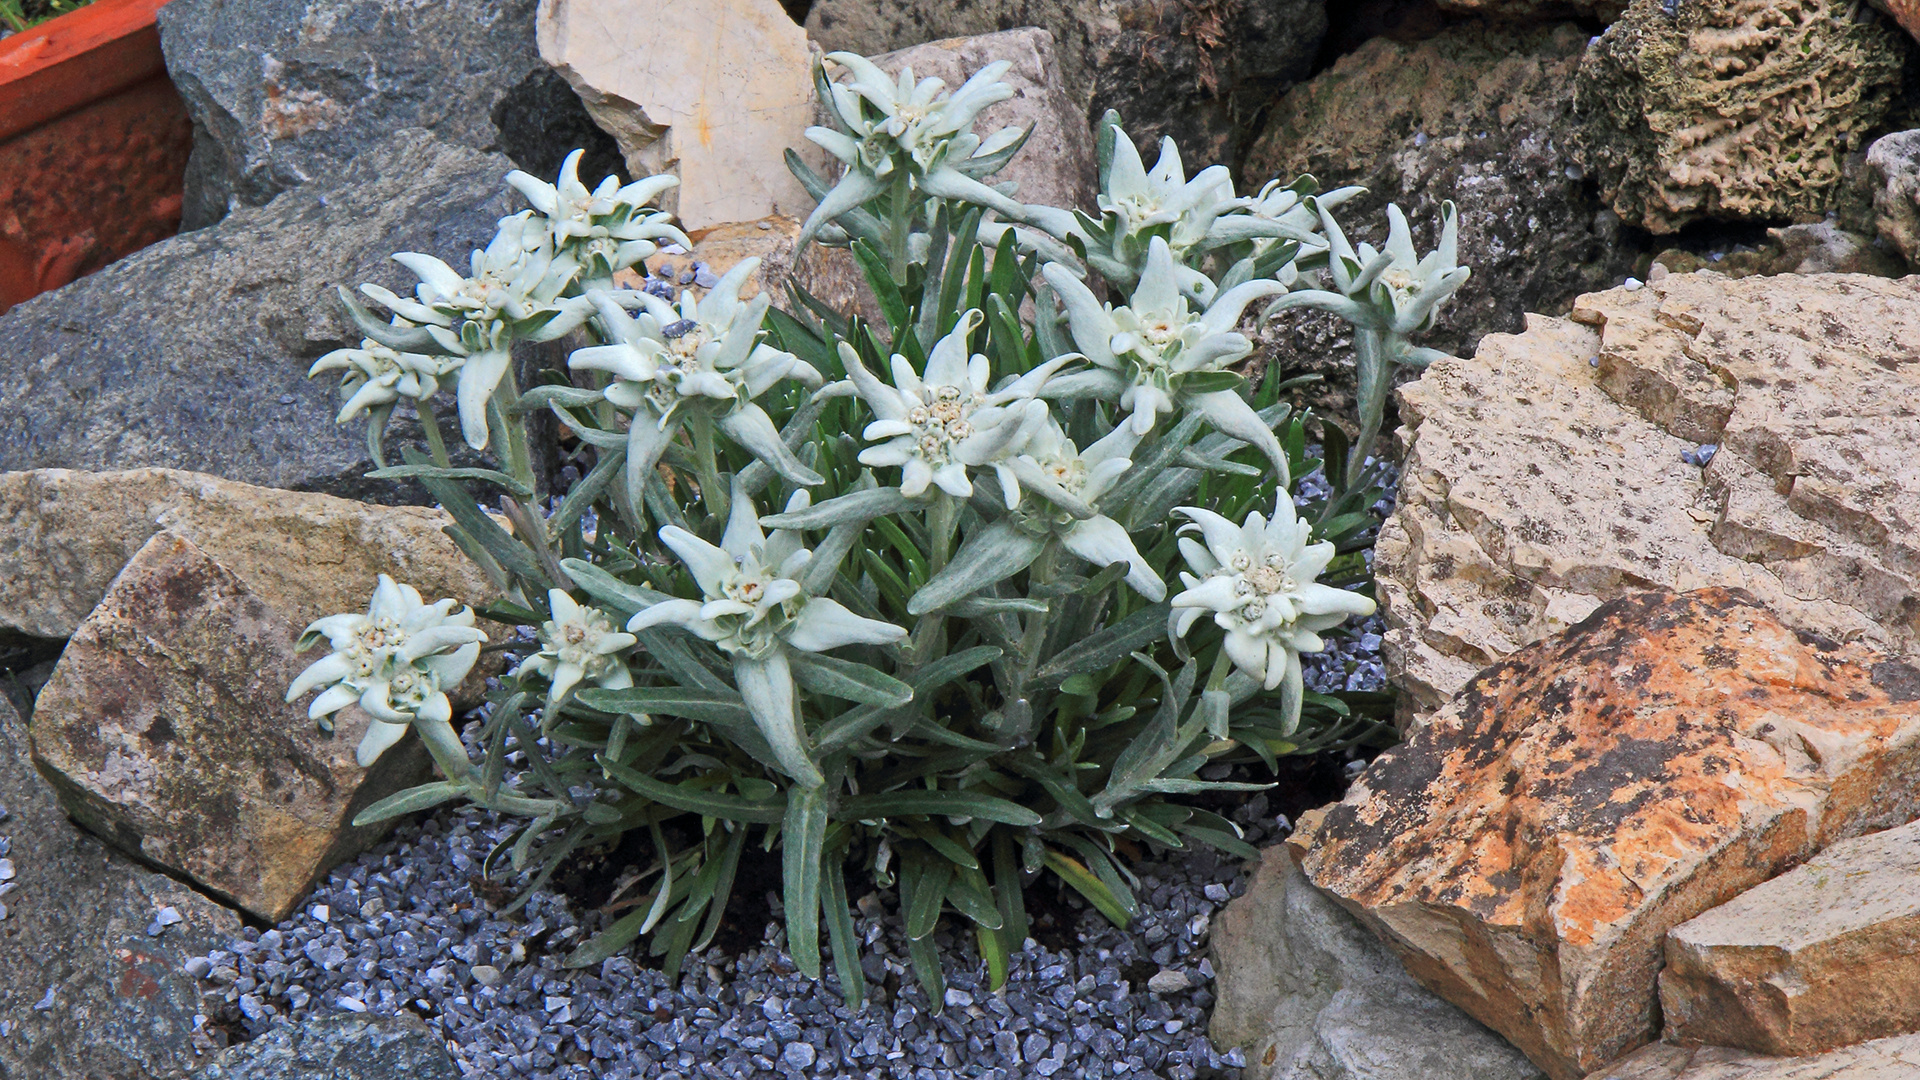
(718, 499)
(899, 225)
(430, 423)
(942, 519)
(1373, 376)
(512, 433)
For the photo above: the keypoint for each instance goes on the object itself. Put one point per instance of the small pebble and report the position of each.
(1632, 284)
(799, 1055)
(6, 869)
(351, 1004)
(45, 1002)
(1168, 981)
(486, 975)
(320, 912)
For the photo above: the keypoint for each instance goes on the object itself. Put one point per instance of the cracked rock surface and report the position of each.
(1557, 469)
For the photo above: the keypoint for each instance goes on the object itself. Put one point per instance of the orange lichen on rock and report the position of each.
(1527, 851)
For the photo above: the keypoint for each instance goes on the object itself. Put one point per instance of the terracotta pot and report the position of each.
(93, 145)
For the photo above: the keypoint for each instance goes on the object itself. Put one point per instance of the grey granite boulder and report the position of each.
(284, 92)
(1314, 996)
(93, 949)
(338, 1048)
(193, 353)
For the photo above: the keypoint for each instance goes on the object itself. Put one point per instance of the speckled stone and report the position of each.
(340, 1047)
(1526, 851)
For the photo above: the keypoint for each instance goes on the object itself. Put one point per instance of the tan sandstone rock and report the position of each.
(713, 91)
(65, 534)
(1883, 1059)
(165, 729)
(1544, 473)
(1823, 956)
(1529, 848)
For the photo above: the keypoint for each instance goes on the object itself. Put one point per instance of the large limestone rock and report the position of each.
(1544, 474)
(343, 1047)
(284, 92)
(1823, 956)
(1190, 71)
(1528, 849)
(713, 91)
(193, 353)
(1313, 996)
(65, 535)
(165, 730)
(1732, 109)
(85, 990)
(1478, 113)
(1883, 1059)
(1893, 172)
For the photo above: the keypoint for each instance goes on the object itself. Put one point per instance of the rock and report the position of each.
(84, 991)
(1544, 474)
(68, 534)
(193, 353)
(1820, 957)
(1883, 1059)
(165, 730)
(1904, 12)
(1526, 851)
(1893, 164)
(1476, 113)
(1729, 109)
(1193, 71)
(1534, 10)
(1311, 995)
(714, 91)
(283, 92)
(352, 1047)
(719, 250)
(1825, 248)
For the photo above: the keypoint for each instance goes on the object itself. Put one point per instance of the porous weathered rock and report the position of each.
(1823, 956)
(1883, 1059)
(284, 92)
(1893, 172)
(1536, 10)
(1312, 995)
(1544, 474)
(165, 729)
(193, 353)
(65, 535)
(713, 91)
(1193, 71)
(1826, 248)
(1732, 109)
(85, 990)
(1480, 114)
(1528, 849)
(346, 1047)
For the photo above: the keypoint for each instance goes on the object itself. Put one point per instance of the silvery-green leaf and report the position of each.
(802, 849)
(987, 556)
(848, 681)
(857, 506)
(767, 686)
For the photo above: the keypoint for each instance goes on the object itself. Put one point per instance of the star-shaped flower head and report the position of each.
(603, 230)
(513, 294)
(578, 644)
(396, 662)
(1072, 480)
(939, 425)
(1393, 290)
(707, 355)
(754, 608)
(1147, 353)
(892, 125)
(1258, 580)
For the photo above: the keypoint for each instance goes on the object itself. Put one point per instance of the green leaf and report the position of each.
(1106, 647)
(923, 881)
(1083, 882)
(931, 835)
(860, 506)
(958, 804)
(802, 839)
(609, 941)
(886, 291)
(710, 706)
(842, 935)
(847, 680)
(968, 893)
(1209, 382)
(511, 554)
(986, 557)
(410, 472)
(410, 800)
(854, 723)
(692, 799)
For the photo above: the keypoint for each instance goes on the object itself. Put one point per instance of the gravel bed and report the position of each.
(410, 925)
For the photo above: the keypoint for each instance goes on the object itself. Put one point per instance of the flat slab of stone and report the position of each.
(85, 991)
(193, 353)
(66, 534)
(1312, 995)
(165, 729)
(1883, 1059)
(345, 1047)
(1543, 475)
(713, 91)
(1823, 956)
(1528, 849)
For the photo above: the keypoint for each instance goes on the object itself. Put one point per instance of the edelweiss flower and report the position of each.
(1258, 581)
(910, 125)
(578, 643)
(755, 610)
(1394, 290)
(513, 294)
(604, 230)
(1279, 212)
(1053, 468)
(396, 661)
(705, 356)
(377, 376)
(1142, 199)
(939, 425)
(1144, 352)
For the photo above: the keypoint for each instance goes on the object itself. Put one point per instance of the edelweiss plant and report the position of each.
(950, 663)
